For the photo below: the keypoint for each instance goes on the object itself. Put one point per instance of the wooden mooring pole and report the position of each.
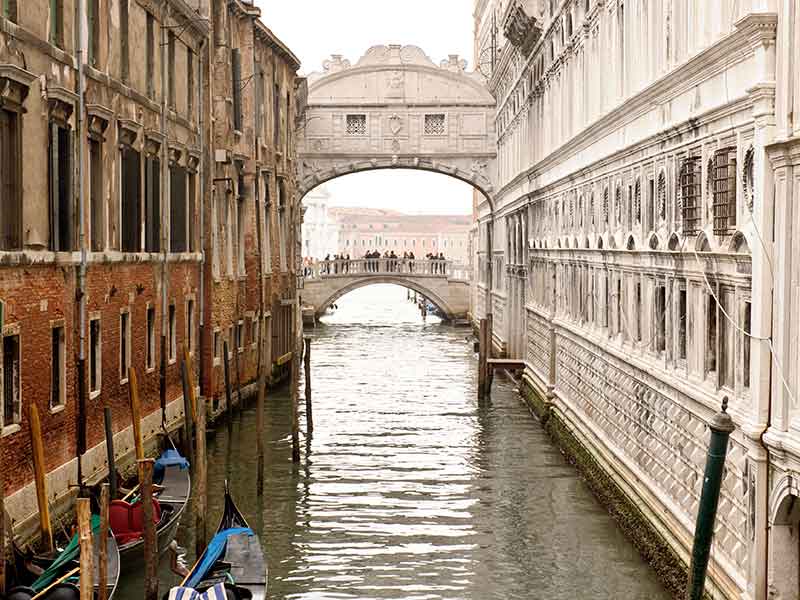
(39, 475)
(102, 555)
(226, 358)
(307, 369)
(482, 359)
(188, 406)
(87, 552)
(293, 392)
(262, 392)
(489, 342)
(150, 543)
(110, 456)
(200, 475)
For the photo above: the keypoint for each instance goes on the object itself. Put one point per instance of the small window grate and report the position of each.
(691, 200)
(724, 191)
(435, 124)
(356, 124)
(662, 196)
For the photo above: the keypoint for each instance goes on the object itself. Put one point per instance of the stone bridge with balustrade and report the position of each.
(444, 283)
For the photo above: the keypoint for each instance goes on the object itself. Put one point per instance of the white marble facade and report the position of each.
(643, 258)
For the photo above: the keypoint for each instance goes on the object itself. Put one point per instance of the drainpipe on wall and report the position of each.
(164, 216)
(81, 292)
(201, 207)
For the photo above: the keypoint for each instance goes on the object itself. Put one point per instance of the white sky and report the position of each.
(315, 29)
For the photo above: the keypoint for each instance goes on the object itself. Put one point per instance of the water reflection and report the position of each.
(410, 488)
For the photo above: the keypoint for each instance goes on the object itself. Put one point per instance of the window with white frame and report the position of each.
(58, 367)
(124, 345)
(95, 357)
(12, 390)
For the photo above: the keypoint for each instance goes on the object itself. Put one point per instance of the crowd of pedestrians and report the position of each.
(375, 262)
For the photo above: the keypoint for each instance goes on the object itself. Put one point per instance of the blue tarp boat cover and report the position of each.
(169, 458)
(213, 551)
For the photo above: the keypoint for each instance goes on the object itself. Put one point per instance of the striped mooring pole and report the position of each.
(721, 426)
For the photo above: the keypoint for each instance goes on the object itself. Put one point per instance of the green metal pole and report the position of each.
(721, 426)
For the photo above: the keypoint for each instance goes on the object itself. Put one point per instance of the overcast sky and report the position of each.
(315, 29)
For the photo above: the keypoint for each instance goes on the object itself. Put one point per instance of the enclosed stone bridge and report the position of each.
(396, 109)
(444, 283)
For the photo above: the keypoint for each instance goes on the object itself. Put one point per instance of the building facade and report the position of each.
(320, 231)
(369, 229)
(110, 255)
(640, 227)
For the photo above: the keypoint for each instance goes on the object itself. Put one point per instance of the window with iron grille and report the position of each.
(662, 196)
(605, 206)
(691, 200)
(724, 191)
(435, 124)
(356, 125)
(637, 201)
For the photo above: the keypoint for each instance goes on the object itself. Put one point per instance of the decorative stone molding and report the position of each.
(15, 83)
(193, 159)
(98, 118)
(128, 131)
(60, 102)
(152, 142)
(176, 151)
(335, 64)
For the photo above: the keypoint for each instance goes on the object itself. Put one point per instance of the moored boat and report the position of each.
(233, 561)
(58, 577)
(171, 475)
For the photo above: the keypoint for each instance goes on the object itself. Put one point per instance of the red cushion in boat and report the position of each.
(127, 520)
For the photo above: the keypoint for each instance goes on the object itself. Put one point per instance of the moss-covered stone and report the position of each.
(671, 569)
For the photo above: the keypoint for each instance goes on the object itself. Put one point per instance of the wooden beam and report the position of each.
(282, 360)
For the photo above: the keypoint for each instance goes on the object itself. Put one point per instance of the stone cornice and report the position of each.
(729, 50)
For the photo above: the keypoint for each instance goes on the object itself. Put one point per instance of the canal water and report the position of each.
(411, 488)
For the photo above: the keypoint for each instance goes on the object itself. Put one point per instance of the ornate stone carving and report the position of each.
(521, 30)
(128, 131)
(335, 64)
(60, 102)
(14, 84)
(152, 142)
(454, 63)
(98, 118)
(395, 124)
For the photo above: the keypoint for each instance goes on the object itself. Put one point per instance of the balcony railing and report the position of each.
(386, 266)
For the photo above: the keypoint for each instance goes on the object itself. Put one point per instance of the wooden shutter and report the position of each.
(178, 212)
(152, 205)
(131, 198)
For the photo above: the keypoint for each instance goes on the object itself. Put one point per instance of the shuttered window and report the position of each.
(93, 18)
(10, 181)
(178, 212)
(10, 10)
(236, 68)
(171, 68)
(150, 65)
(724, 192)
(124, 52)
(691, 199)
(191, 210)
(57, 22)
(60, 185)
(131, 200)
(97, 223)
(152, 223)
(12, 401)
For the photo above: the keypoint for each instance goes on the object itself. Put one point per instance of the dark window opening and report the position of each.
(724, 192)
(746, 345)
(661, 318)
(638, 312)
(124, 357)
(178, 234)
(94, 355)
(93, 18)
(131, 200)
(60, 184)
(152, 224)
(682, 324)
(236, 72)
(123, 41)
(650, 209)
(276, 115)
(711, 334)
(150, 359)
(150, 65)
(97, 206)
(173, 342)
(57, 23)
(10, 181)
(691, 199)
(191, 211)
(189, 81)
(171, 68)
(57, 366)
(12, 408)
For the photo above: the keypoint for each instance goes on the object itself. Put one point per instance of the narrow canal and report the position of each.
(412, 489)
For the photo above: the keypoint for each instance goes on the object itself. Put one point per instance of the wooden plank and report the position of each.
(510, 364)
(39, 475)
(282, 360)
(87, 552)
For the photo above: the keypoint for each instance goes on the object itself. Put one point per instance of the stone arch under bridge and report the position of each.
(396, 109)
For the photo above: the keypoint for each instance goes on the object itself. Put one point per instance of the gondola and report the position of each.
(171, 474)
(61, 574)
(232, 567)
